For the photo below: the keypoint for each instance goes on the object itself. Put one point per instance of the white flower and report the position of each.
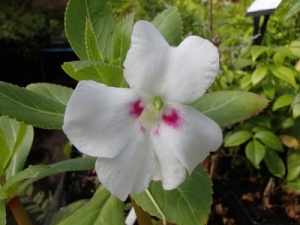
(147, 132)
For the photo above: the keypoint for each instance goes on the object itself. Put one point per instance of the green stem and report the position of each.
(19, 211)
(156, 206)
(143, 217)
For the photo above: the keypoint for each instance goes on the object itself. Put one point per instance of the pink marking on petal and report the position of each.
(136, 109)
(172, 119)
(156, 132)
(143, 129)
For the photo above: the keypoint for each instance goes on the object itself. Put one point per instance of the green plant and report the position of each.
(36, 203)
(271, 139)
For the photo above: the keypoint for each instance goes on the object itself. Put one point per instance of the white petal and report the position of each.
(190, 135)
(180, 74)
(130, 171)
(146, 58)
(192, 68)
(98, 120)
(172, 171)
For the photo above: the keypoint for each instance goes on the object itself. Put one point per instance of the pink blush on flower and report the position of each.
(173, 119)
(136, 109)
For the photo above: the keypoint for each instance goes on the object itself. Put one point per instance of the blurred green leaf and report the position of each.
(97, 71)
(259, 74)
(269, 139)
(121, 40)
(286, 74)
(293, 165)
(102, 208)
(296, 110)
(29, 107)
(169, 24)
(238, 138)
(228, 107)
(246, 82)
(294, 185)
(257, 50)
(295, 47)
(285, 51)
(269, 88)
(102, 20)
(274, 163)
(255, 152)
(283, 101)
(293, 11)
(187, 204)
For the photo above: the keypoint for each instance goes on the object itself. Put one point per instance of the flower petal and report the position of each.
(172, 171)
(192, 68)
(129, 172)
(146, 58)
(100, 120)
(191, 137)
(180, 74)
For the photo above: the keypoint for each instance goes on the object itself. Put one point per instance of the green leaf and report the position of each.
(97, 71)
(29, 107)
(102, 208)
(102, 20)
(283, 101)
(187, 204)
(19, 138)
(286, 74)
(91, 45)
(228, 107)
(295, 185)
(20, 181)
(293, 11)
(295, 47)
(296, 110)
(285, 51)
(257, 50)
(67, 211)
(278, 59)
(269, 139)
(55, 92)
(4, 151)
(246, 82)
(8, 190)
(293, 165)
(3, 212)
(121, 40)
(259, 74)
(269, 88)
(169, 24)
(274, 163)
(77, 164)
(255, 152)
(237, 138)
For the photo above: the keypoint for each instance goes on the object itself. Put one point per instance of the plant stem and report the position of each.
(19, 211)
(143, 217)
(156, 206)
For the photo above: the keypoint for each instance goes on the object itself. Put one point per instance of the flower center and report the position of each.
(157, 103)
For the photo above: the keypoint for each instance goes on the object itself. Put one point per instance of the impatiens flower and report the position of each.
(148, 131)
